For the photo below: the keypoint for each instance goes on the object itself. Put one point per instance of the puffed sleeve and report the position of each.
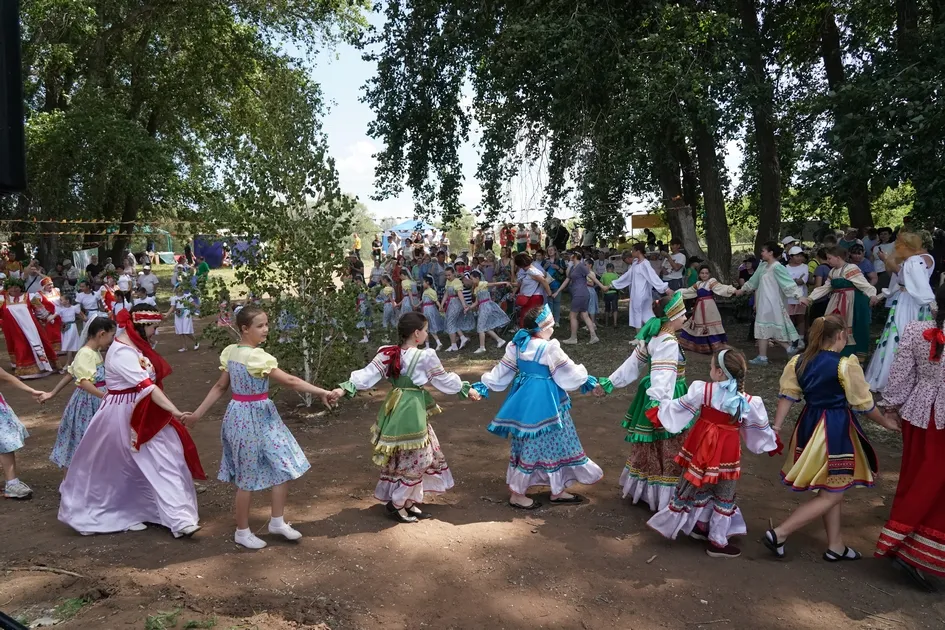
(904, 369)
(567, 374)
(664, 364)
(623, 281)
(125, 367)
(260, 363)
(367, 377)
(756, 431)
(629, 370)
(688, 293)
(856, 277)
(820, 291)
(446, 382)
(675, 415)
(84, 366)
(502, 375)
(721, 290)
(789, 387)
(855, 385)
(225, 357)
(916, 280)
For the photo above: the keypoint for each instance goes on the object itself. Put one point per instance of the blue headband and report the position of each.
(544, 320)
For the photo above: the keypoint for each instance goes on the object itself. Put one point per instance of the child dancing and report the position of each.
(404, 444)
(259, 451)
(651, 472)
(431, 310)
(491, 316)
(545, 448)
(704, 333)
(703, 504)
(458, 319)
(87, 371)
(12, 436)
(829, 451)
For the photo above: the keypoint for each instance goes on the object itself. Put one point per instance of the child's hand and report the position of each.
(599, 391)
(335, 395)
(474, 395)
(40, 397)
(189, 419)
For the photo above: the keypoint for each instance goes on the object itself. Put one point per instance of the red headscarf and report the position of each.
(162, 369)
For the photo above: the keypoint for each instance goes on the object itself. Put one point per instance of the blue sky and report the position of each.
(342, 74)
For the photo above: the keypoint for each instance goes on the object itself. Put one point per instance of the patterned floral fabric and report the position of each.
(12, 432)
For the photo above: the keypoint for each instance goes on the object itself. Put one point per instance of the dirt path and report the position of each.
(478, 564)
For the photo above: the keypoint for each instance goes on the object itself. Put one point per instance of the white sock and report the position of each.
(12, 481)
(277, 521)
(243, 532)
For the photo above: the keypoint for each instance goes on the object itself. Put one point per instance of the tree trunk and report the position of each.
(907, 26)
(854, 175)
(679, 217)
(125, 230)
(717, 235)
(758, 85)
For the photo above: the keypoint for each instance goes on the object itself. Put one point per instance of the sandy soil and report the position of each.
(478, 564)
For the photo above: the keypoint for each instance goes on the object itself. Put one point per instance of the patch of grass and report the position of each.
(69, 608)
(204, 623)
(162, 620)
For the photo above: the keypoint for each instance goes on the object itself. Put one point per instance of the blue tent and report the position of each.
(407, 228)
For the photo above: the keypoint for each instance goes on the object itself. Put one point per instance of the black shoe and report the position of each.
(413, 510)
(918, 578)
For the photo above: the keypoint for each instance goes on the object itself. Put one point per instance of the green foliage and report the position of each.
(163, 620)
(205, 623)
(69, 608)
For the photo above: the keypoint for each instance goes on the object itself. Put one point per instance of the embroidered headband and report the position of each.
(46, 281)
(675, 308)
(544, 320)
(146, 317)
(722, 367)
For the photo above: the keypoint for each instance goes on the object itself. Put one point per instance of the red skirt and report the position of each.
(915, 531)
(527, 303)
(712, 450)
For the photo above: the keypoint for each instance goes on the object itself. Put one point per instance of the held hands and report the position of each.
(474, 395)
(40, 397)
(335, 395)
(892, 420)
(805, 301)
(874, 300)
(599, 391)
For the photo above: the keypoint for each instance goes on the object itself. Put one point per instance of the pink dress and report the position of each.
(110, 486)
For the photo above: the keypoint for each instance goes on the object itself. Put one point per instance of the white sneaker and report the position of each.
(187, 532)
(759, 360)
(500, 343)
(479, 350)
(137, 527)
(462, 342)
(17, 490)
(801, 345)
(182, 350)
(248, 540)
(593, 341)
(196, 346)
(286, 530)
(571, 341)
(365, 340)
(792, 350)
(452, 348)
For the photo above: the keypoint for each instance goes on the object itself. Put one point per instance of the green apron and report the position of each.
(862, 315)
(402, 420)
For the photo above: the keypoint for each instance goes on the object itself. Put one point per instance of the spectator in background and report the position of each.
(534, 237)
(188, 255)
(376, 250)
(148, 281)
(58, 276)
(858, 258)
(203, 269)
(869, 242)
(488, 239)
(673, 265)
(33, 277)
(883, 248)
(819, 308)
(72, 278)
(93, 270)
(521, 238)
(357, 245)
(849, 239)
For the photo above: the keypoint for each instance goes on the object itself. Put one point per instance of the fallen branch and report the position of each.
(875, 616)
(45, 570)
(652, 558)
(709, 623)
(879, 589)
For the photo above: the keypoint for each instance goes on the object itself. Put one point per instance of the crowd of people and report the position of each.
(129, 461)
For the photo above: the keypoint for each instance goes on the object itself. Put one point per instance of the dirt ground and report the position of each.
(478, 564)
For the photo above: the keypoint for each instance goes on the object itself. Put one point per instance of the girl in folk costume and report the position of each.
(545, 448)
(704, 332)
(136, 463)
(30, 351)
(642, 280)
(914, 535)
(851, 296)
(183, 308)
(120, 304)
(12, 436)
(109, 293)
(800, 271)
(69, 314)
(829, 451)
(772, 285)
(405, 446)
(386, 297)
(44, 307)
(491, 316)
(909, 298)
(458, 319)
(703, 504)
(651, 472)
(259, 451)
(87, 372)
(91, 303)
(431, 310)
(411, 300)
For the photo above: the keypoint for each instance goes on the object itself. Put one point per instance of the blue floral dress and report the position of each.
(12, 432)
(491, 315)
(456, 319)
(259, 451)
(88, 365)
(431, 310)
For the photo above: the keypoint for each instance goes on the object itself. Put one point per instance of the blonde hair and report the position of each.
(908, 244)
(823, 332)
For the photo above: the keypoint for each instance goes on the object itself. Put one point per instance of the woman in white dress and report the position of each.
(774, 285)
(909, 298)
(642, 280)
(136, 463)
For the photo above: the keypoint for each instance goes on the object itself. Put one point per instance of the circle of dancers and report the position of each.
(129, 461)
